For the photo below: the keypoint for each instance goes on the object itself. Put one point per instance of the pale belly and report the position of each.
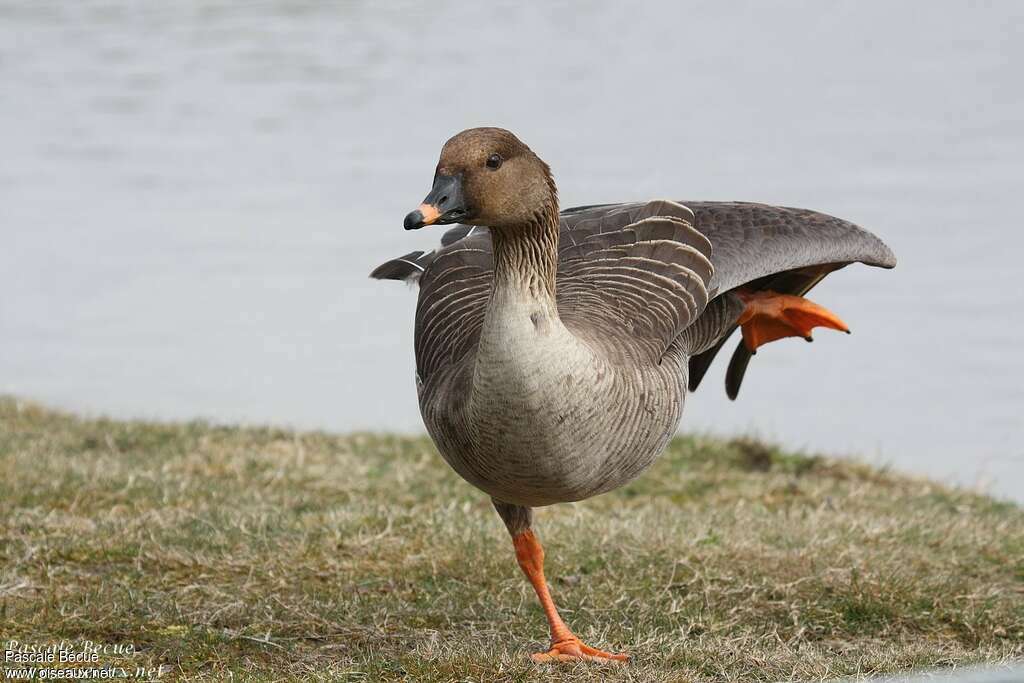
(551, 421)
(573, 453)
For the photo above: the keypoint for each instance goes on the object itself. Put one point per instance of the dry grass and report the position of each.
(273, 555)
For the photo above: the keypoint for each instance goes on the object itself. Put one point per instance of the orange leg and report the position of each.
(565, 645)
(770, 316)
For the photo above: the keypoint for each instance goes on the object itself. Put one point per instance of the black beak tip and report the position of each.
(414, 220)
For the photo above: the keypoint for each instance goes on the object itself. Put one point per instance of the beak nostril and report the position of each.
(442, 200)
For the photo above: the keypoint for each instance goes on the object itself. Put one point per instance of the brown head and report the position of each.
(487, 176)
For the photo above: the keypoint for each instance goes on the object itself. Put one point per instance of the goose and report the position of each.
(554, 349)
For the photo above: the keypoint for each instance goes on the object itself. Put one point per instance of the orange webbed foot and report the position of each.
(573, 650)
(770, 316)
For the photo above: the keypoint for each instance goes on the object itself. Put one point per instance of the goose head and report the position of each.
(488, 177)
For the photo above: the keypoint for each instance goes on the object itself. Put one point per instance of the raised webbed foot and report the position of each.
(770, 316)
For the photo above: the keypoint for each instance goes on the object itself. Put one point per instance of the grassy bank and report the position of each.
(272, 554)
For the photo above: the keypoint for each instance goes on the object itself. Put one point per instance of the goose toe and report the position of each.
(574, 650)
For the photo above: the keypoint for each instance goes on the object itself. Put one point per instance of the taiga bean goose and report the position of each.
(553, 351)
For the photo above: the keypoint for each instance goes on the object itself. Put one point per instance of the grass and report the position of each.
(266, 554)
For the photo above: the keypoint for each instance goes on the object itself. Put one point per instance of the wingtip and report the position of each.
(404, 268)
(886, 257)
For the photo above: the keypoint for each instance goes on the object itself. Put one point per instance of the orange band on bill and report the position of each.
(430, 213)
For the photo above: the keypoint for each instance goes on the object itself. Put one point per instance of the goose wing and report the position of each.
(752, 241)
(783, 249)
(641, 267)
(455, 282)
(631, 279)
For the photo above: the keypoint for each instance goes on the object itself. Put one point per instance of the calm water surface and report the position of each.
(192, 195)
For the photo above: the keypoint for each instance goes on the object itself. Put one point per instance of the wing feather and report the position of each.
(638, 275)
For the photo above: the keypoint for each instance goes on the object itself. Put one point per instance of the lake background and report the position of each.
(193, 194)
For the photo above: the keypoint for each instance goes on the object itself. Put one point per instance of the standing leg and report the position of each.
(565, 645)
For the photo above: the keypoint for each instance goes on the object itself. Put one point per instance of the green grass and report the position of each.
(269, 554)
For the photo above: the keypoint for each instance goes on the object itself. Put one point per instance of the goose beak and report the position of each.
(426, 214)
(443, 205)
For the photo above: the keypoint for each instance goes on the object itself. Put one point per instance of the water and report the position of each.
(192, 195)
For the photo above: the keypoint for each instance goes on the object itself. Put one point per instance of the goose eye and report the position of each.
(494, 161)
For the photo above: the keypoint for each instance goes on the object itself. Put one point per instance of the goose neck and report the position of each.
(526, 259)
